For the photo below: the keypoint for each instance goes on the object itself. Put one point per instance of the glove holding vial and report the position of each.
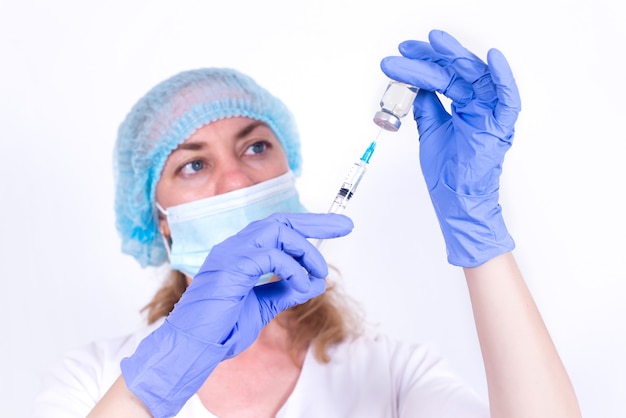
(461, 152)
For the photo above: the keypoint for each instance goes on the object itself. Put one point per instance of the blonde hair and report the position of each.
(322, 322)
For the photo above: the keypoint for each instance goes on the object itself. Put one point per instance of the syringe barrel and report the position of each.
(348, 187)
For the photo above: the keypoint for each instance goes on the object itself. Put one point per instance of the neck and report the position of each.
(277, 338)
(238, 387)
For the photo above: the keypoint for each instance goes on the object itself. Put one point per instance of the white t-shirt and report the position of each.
(372, 376)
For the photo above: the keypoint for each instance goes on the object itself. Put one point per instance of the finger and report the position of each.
(242, 271)
(266, 245)
(278, 296)
(266, 232)
(297, 247)
(420, 50)
(296, 272)
(509, 102)
(288, 232)
(428, 76)
(467, 65)
(315, 225)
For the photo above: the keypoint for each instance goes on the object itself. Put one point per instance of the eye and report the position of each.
(257, 148)
(192, 167)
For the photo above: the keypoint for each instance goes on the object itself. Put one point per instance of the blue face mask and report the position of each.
(197, 226)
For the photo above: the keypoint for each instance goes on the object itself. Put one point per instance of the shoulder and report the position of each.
(102, 357)
(385, 374)
(375, 364)
(79, 378)
(382, 348)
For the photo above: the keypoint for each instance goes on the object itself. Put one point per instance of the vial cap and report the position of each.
(387, 121)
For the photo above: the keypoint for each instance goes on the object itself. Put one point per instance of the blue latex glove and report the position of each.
(222, 312)
(461, 154)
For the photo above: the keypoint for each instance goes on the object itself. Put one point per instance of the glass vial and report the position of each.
(394, 105)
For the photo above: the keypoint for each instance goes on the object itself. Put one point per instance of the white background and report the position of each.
(70, 70)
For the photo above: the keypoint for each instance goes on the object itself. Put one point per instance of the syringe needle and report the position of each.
(378, 134)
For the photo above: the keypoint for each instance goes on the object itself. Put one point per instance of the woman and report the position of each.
(206, 164)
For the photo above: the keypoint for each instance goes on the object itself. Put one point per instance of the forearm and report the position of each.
(119, 402)
(525, 376)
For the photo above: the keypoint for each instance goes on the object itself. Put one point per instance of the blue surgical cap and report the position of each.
(164, 118)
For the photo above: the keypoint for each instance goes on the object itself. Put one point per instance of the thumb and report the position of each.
(509, 103)
(428, 112)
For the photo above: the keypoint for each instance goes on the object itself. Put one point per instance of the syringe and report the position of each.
(349, 185)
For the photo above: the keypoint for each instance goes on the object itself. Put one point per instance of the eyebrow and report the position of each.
(245, 131)
(249, 128)
(191, 146)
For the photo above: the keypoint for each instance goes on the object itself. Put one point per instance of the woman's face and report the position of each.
(220, 157)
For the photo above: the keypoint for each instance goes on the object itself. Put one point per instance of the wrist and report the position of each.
(168, 367)
(473, 226)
